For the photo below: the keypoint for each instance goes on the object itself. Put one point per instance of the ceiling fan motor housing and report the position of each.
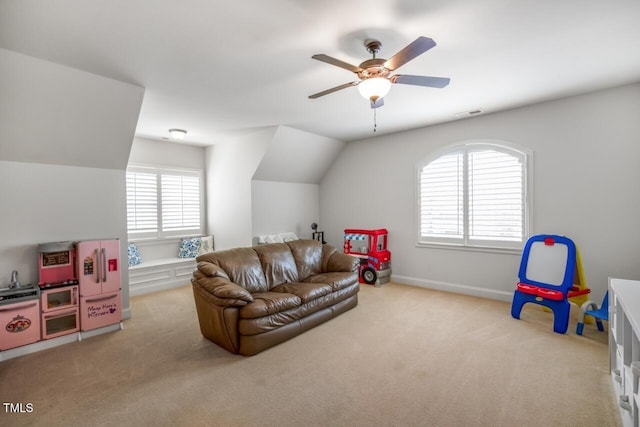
(373, 68)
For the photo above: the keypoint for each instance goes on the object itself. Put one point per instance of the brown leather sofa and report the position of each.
(250, 299)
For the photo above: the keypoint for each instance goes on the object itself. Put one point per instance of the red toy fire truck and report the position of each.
(371, 247)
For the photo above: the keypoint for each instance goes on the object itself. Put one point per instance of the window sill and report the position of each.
(149, 241)
(454, 247)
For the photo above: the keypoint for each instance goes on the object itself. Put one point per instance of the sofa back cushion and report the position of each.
(308, 257)
(327, 251)
(242, 265)
(278, 264)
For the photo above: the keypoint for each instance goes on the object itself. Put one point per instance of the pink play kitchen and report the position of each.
(78, 289)
(19, 314)
(99, 281)
(58, 289)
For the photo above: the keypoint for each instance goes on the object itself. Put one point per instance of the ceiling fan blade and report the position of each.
(413, 49)
(427, 81)
(333, 89)
(333, 61)
(377, 103)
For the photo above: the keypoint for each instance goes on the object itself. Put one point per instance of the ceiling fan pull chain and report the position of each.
(375, 123)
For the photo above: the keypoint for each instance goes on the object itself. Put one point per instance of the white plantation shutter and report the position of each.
(441, 182)
(496, 208)
(474, 195)
(180, 202)
(163, 202)
(142, 202)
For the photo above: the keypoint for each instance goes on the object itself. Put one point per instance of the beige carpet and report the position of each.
(405, 356)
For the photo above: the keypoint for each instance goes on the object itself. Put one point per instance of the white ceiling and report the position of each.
(219, 68)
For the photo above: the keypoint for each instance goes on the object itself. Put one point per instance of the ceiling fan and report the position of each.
(374, 74)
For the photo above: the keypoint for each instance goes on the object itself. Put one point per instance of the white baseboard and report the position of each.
(454, 287)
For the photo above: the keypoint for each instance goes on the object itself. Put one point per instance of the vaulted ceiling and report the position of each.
(218, 69)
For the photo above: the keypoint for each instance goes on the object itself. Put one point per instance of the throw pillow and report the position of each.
(189, 247)
(273, 238)
(288, 237)
(134, 255)
(206, 245)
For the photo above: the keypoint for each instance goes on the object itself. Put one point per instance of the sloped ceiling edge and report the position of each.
(54, 114)
(298, 157)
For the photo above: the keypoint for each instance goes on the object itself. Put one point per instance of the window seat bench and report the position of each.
(160, 274)
(160, 266)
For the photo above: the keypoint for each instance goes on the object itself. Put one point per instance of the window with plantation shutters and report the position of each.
(180, 202)
(474, 195)
(163, 202)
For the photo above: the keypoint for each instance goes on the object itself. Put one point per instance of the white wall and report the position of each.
(49, 203)
(282, 206)
(166, 153)
(586, 186)
(230, 168)
(285, 187)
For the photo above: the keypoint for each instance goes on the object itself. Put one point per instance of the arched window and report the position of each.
(474, 195)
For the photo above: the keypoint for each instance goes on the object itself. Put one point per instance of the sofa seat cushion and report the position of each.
(274, 321)
(337, 280)
(266, 303)
(306, 291)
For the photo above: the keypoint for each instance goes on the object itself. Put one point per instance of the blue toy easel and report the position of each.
(550, 264)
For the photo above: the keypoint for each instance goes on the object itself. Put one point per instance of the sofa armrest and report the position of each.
(218, 322)
(342, 262)
(222, 291)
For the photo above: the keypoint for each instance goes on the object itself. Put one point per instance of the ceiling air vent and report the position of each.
(471, 113)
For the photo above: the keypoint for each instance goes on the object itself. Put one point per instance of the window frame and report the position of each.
(465, 243)
(160, 170)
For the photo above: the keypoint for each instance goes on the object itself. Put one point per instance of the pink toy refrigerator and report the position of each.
(100, 283)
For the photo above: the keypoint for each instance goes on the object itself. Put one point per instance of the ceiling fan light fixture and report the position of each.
(374, 88)
(178, 134)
